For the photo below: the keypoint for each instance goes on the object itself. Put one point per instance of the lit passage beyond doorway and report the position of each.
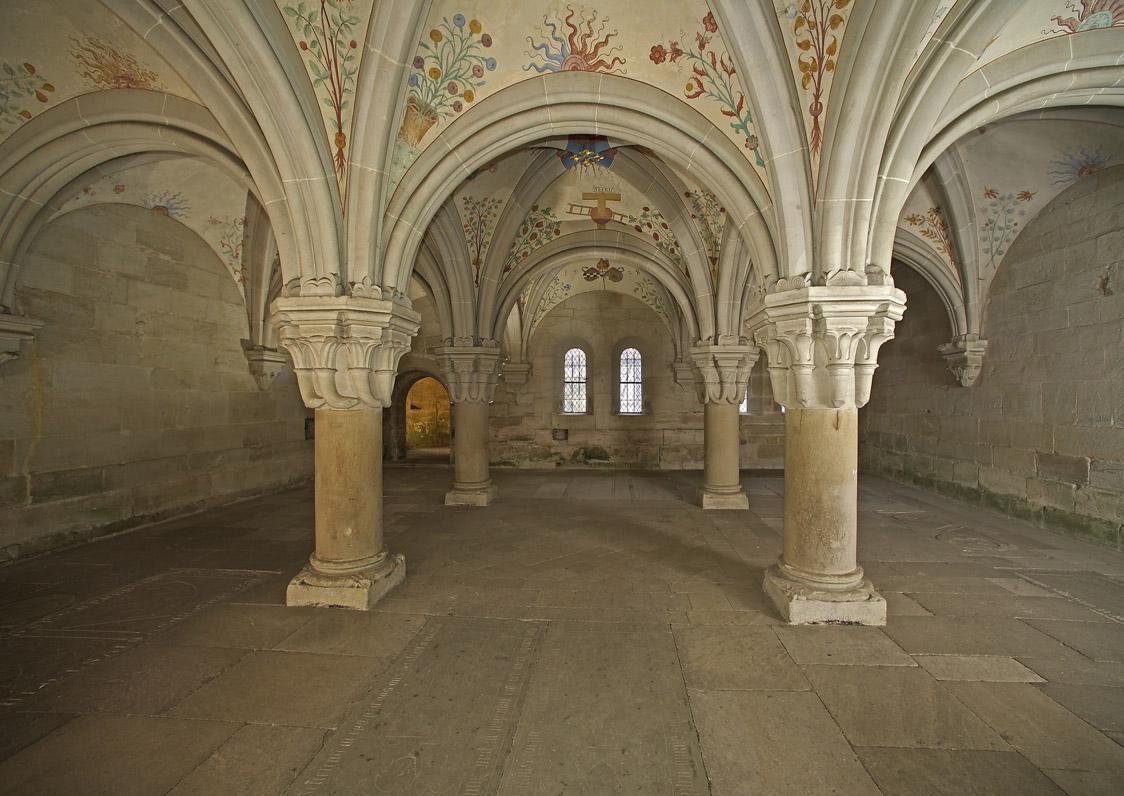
(428, 425)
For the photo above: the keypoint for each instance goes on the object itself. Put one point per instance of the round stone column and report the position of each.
(345, 353)
(471, 370)
(723, 376)
(472, 483)
(722, 487)
(822, 344)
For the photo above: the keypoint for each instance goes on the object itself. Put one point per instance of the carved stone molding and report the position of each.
(516, 374)
(14, 329)
(470, 371)
(265, 363)
(723, 371)
(345, 349)
(964, 357)
(822, 342)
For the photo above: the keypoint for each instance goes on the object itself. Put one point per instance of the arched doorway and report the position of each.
(424, 428)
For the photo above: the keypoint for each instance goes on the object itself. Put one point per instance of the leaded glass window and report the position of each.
(632, 397)
(573, 382)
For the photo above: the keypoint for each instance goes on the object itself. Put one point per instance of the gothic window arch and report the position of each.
(631, 385)
(575, 394)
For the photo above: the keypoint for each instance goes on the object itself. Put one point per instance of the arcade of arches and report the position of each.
(249, 246)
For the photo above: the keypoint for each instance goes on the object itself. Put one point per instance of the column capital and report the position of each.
(822, 342)
(14, 329)
(470, 371)
(723, 370)
(345, 349)
(964, 356)
(265, 363)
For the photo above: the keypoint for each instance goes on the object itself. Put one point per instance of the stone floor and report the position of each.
(589, 633)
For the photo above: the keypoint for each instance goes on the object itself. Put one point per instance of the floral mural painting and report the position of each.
(603, 270)
(232, 239)
(1001, 222)
(647, 290)
(478, 218)
(104, 66)
(1074, 165)
(168, 203)
(713, 76)
(568, 46)
(446, 77)
(934, 227)
(1091, 15)
(818, 24)
(711, 219)
(327, 42)
(21, 86)
(557, 291)
(652, 223)
(539, 227)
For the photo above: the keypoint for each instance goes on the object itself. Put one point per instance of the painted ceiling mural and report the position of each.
(54, 50)
(468, 52)
(577, 278)
(1053, 155)
(193, 192)
(329, 35)
(1042, 19)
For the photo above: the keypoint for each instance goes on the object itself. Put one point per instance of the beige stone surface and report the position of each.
(977, 668)
(906, 772)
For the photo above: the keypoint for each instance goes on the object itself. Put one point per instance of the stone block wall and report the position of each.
(668, 435)
(134, 402)
(1041, 434)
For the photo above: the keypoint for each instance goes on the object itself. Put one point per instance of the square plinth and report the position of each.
(806, 605)
(470, 497)
(358, 591)
(718, 500)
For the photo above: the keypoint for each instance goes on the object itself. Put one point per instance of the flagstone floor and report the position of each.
(588, 633)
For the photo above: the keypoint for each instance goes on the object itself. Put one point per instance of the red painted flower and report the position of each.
(1026, 196)
(658, 54)
(709, 23)
(990, 193)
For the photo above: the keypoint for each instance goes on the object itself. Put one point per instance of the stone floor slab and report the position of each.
(113, 754)
(1011, 606)
(775, 743)
(943, 635)
(738, 658)
(239, 625)
(1099, 642)
(928, 772)
(842, 646)
(368, 634)
(900, 707)
(1101, 706)
(1076, 669)
(1046, 733)
(977, 668)
(235, 768)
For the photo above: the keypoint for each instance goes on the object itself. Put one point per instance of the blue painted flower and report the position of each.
(458, 20)
(490, 64)
(413, 81)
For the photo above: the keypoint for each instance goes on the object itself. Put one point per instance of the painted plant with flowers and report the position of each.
(447, 74)
(1001, 223)
(713, 76)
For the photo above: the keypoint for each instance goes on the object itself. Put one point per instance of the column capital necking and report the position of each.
(470, 371)
(345, 349)
(822, 342)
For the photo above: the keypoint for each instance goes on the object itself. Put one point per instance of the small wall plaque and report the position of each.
(561, 434)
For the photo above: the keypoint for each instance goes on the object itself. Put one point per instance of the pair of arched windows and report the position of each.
(575, 392)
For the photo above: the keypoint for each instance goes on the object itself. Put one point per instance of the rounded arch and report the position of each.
(573, 103)
(411, 370)
(914, 252)
(54, 149)
(589, 246)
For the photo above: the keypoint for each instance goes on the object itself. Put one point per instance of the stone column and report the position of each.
(822, 344)
(471, 371)
(723, 377)
(345, 354)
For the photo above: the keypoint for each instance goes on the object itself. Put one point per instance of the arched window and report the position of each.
(632, 392)
(573, 382)
(743, 407)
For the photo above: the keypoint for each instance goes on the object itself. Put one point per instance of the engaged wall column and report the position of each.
(822, 345)
(470, 372)
(345, 354)
(723, 377)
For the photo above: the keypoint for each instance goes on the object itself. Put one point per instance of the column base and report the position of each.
(711, 499)
(806, 604)
(356, 590)
(470, 496)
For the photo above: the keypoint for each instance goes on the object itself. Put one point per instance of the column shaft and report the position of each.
(722, 487)
(472, 484)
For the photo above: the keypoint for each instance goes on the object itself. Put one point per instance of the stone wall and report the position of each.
(134, 402)
(669, 434)
(1041, 434)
